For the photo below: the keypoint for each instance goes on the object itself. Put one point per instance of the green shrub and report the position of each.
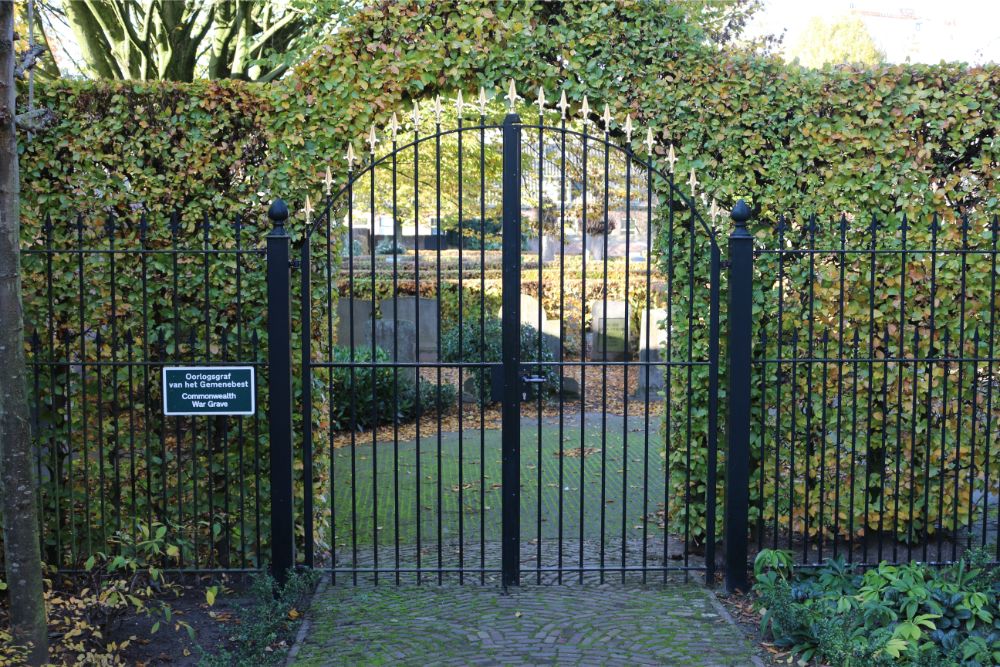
(381, 396)
(910, 614)
(481, 341)
(266, 623)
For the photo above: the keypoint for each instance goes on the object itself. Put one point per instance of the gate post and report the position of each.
(738, 430)
(511, 353)
(279, 366)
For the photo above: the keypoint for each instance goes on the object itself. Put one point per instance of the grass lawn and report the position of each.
(460, 473)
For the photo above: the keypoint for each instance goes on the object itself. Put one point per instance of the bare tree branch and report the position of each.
(36, 120)
(29, 60)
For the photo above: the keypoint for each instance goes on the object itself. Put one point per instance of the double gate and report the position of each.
(507, 373)
(493, 355)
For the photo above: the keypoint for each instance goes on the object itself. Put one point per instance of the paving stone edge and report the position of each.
(724, 613)
(300, 636)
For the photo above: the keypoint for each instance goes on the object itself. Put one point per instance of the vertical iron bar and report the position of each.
(462, 357)
(539, 370)
(961, 384)
(778, 381)
(930, 384)
(821, 528)
(511, 320)
(416, 325)
(583, 353)
(395, 358)
(437, 293)
(870, 388)
(854, 447)
(280, 392)
(840, 384)
(668, 382)
(648, 369)
(900, 368)
(810, 348)
(713, 413)
(603, 330)
(305, 316)
(562, 331)
(625, 366)
(994, 232)
(482, 347)
(740, 313)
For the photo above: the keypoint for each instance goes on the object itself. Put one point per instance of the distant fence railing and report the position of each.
(109, 303)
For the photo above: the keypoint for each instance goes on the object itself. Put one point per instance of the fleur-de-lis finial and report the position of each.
(328, 179)
(585, 109)
(308, 209)
(671, 158)
(628, 128)
(350, 160)
(394, 125)
(416, 114)
(693, 183)
(511, 96)
(482, 101)
(541, 100)
(372, 139)
(649, 140)
(459, 103)
(607, 118)
(563, 104)
(714, 211)
(437, 109)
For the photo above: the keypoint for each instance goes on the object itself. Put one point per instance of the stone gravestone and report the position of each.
(362, 323)
(573, 244)
(398, 338)
(609, 329)
(658, 338)
(407, 311)
(551, 330)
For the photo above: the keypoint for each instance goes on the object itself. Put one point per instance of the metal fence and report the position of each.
(861, 401)
(875, 418)
(109, 303)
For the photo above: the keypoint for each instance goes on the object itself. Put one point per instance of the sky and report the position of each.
(919, 31)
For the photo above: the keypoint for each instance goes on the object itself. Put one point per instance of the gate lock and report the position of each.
(496, 383)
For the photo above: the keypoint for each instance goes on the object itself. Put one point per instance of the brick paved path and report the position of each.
(676, 624)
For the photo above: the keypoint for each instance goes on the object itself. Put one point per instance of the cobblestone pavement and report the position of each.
(614, 624)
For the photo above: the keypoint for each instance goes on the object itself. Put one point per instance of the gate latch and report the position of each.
(529, 380)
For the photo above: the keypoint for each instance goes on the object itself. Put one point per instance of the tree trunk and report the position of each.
(17, 480)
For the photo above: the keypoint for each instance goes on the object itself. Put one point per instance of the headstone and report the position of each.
(398, 338)
(362, 322)
(551, 329)
(361, 243)
(609, 330)
(406, 309)
(617, 242)
(572, 244)
(658, 337)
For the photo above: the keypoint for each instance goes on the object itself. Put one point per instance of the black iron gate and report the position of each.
(544, 269)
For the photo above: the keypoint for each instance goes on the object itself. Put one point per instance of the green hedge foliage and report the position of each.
(914, 139)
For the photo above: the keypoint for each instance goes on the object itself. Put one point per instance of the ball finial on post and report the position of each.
(278, 212)
(740, 213)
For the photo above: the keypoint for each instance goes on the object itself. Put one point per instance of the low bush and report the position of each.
(84, 610)
(268, 621)
(381, 396)
(476, 341)
(910, 614)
